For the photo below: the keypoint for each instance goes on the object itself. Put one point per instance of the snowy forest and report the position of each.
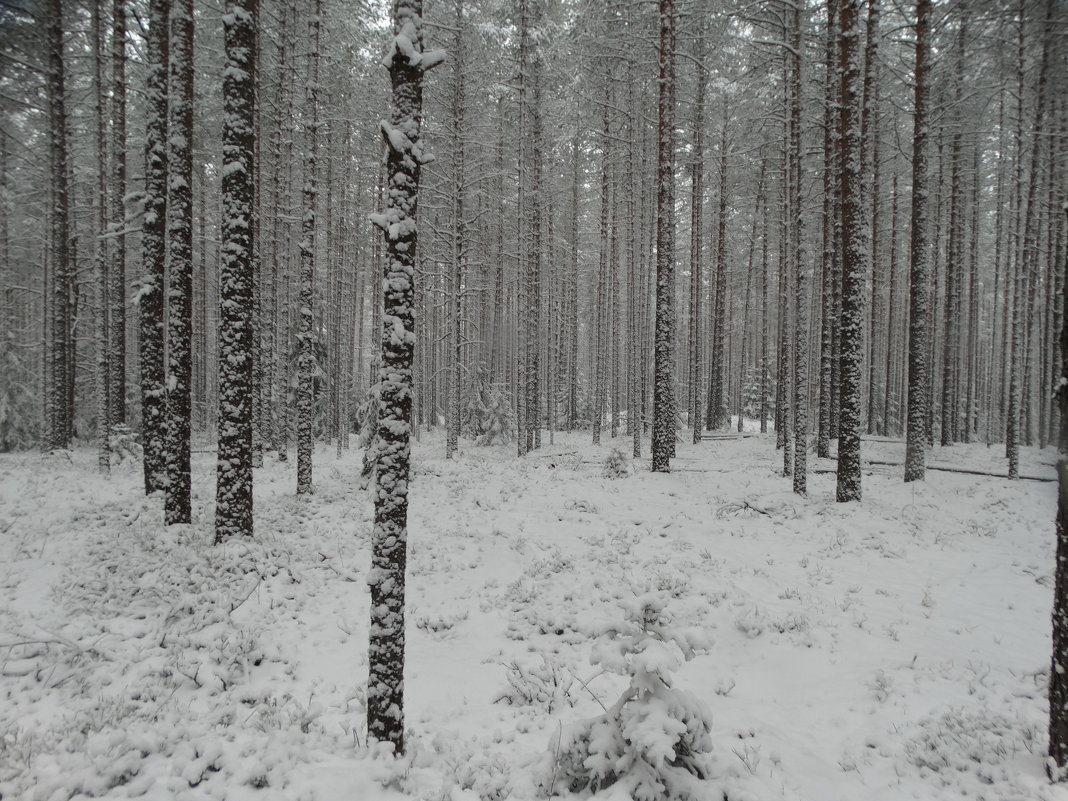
(485, 399)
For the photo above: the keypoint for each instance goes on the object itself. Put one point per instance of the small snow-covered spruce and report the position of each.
(616, 464)
(487, 415)
(654, 742)
(367, 426)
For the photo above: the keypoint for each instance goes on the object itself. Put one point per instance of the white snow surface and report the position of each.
(895, 648)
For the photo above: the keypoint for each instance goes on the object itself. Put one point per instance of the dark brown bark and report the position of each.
(664, 349)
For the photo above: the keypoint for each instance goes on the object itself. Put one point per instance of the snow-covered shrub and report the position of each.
(487, 415)
(440, 624)
(616, 464)
(960, 742)
(655, 740)
(547, 685)
(472, 767)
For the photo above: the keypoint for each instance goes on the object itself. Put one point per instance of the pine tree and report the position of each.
(117, 195)
(407, 63)
(1026, 268)
(178, 503)
(452, 434)
(233, 508)
(854, 256)
(1058, 675)
(57, 299)
(919, 386)
(664, 347)
(697, 288)
(153, 244)
(103, 407)
(798, 257)
(306, 362)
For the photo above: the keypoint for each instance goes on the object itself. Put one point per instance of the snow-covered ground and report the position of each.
(896, 648)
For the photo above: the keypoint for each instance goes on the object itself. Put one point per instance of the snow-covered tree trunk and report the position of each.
(830, 226)
(715, 409)
(260, 405)
(407, 62)
(282, 370)
(572, 293)
(100, 330)
(765, 332)
(869, 143)
(452, 433)
(600, 328)
(306, 336)
(697, 289)
(57, 425)
(613, 310)
(1027, 259)
(535, 255)
(799, 257)
(635, 299)
(1058, 681)
(919, 382)
(233, 508)
(951, 318)
(784, 419)
(855, 257)
(153, 245)
(523, 302)
(891, 321)
(663, 349)
(745, 356)
(177, 503)
(117, 213)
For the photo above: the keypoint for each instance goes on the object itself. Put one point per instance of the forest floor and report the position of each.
(895, 648)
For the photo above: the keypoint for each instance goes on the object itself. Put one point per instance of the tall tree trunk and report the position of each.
(407, 62)
(153, 249)
(306, 337)
(855, 258)
(716, 410)
(233, 507)
(523, 311)
(831, 226)
(57, 429)
(1028, 258)
(117, 190)
(103, 385)
(663, 390)
(891, 321)
(765, 332)
(697, 288)
(1058, 675)
(799, 258)
(919, 379)
(869, 143)
(534, 254)
(951, 322)
(452, 434)
(178, 501)
(600, 334)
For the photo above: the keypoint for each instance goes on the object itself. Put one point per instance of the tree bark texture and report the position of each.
(233, 507)
(177, 502)
(663, 348)
(153, 248)
(855, 257)
(407, 63)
